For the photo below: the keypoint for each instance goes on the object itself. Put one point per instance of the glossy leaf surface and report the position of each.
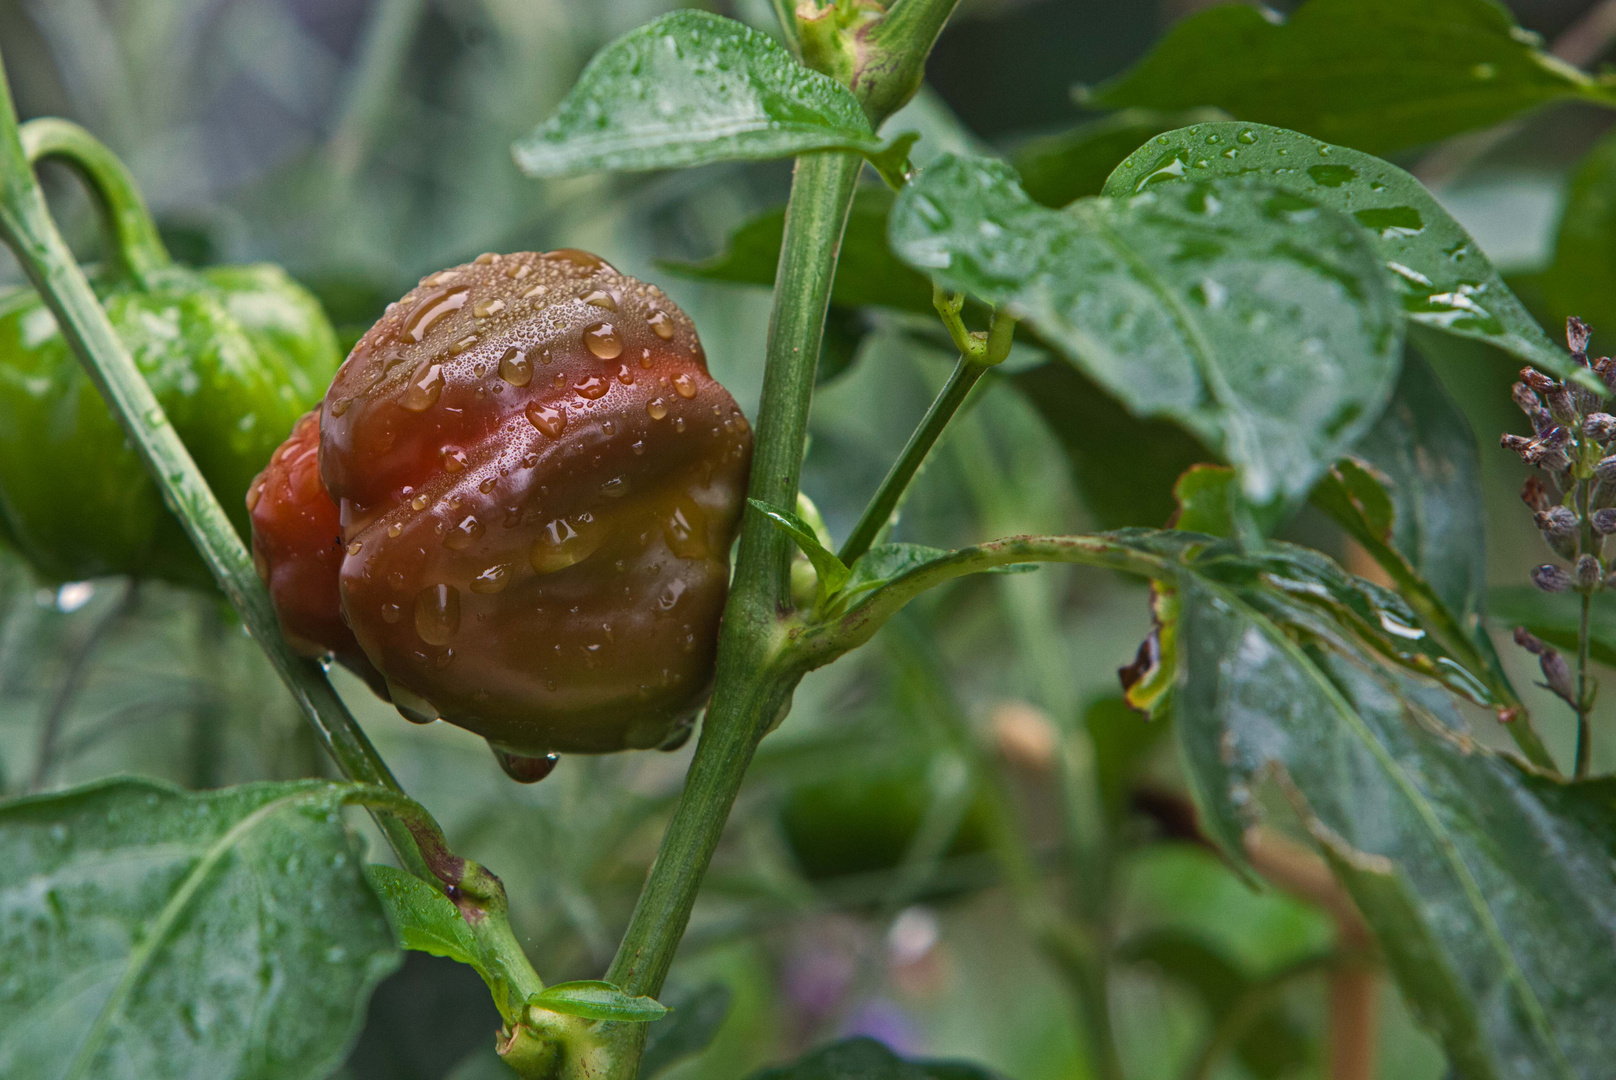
(1379, 75)
(692, 88)
(1259, 320)
(152, 932)
(1489, 887)
(1075, 163)
(1441, 278)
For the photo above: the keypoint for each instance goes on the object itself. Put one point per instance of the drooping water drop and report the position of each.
(601, 298)
(592, 387)
(657, 408)
(454, 459)
(661, 324)
(437, 614)
(685, 385)
(483, 309)
(425, 384)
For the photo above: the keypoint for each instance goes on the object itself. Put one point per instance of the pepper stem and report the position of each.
(137, 248)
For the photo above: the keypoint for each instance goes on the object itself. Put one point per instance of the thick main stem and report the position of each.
(750, 689)
(27, 228)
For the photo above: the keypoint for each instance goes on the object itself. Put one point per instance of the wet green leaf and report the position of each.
(866, 1059)
(1056, 169)
(1379, 75)
(692, 88)
(1258, 319)
(152, 932)
(1444, 282)
(1482, 880)
(1582, 279)
(596, 1000)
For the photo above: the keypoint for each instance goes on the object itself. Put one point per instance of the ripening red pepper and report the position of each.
(534, 484)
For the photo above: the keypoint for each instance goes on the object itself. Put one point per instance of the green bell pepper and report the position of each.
(235, 354)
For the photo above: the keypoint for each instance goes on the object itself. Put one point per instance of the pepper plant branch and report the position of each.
(977, 354)
(27, 227)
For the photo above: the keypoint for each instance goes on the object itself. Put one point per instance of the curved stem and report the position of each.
(26, 226)
(137, 249)
(887, 496)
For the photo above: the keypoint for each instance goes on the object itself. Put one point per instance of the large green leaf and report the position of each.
(148, 932)
(691, 88)
(866, 1059)
(1379, 75)
(1582, 279)
(1444, 281)
(1258, 319)
(1490, 887)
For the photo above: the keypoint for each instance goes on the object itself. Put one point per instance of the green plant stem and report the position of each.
(137, 248)
(1584, 706)
(750, 688)
(26, 226)
(887, 496)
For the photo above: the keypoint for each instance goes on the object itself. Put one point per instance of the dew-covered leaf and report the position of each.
(688, 89)
(1072, 164)
(1489, 887)
(1258, 319)
(151, 932)
(1443, 281)
(1379, 75)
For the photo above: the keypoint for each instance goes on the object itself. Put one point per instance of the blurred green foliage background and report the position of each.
(364, 143)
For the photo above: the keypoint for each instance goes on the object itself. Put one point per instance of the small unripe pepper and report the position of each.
(234, 355)
(537, 485)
